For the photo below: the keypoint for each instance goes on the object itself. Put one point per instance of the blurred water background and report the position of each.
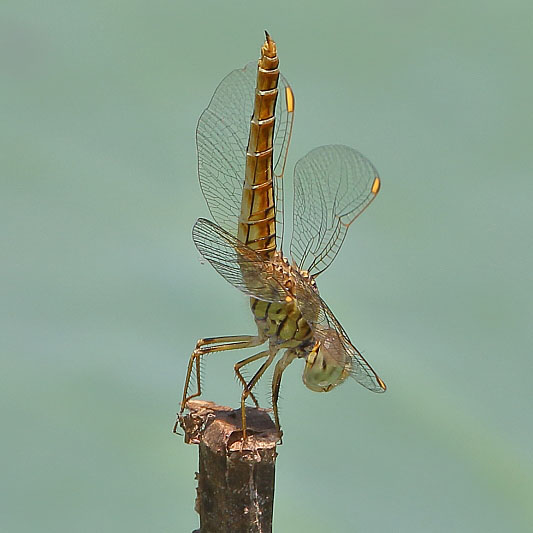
(103, 294)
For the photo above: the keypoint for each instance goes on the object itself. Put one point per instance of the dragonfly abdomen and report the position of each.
(257, 221)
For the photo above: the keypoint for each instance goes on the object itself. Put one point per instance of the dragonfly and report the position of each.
(241, 168)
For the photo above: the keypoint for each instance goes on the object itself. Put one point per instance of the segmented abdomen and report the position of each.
(257, 221)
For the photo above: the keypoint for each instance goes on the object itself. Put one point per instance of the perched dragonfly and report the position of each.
(241, 163)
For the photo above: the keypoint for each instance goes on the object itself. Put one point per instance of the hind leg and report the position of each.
(212, 345)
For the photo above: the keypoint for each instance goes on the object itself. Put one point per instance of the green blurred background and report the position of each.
(103, 294)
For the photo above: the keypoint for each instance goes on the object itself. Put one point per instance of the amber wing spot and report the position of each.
(289, 95)
(376, 185)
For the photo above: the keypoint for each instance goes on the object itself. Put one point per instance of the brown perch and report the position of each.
(235, 491)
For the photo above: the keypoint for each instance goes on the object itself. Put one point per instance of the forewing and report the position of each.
(361, 371)
(326, 326)
(333, 185)
(222, 138)
(244, 268)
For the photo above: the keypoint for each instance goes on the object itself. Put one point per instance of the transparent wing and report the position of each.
(244, 268)
(282, 138)
(222, 138)
(360, 370)
(333, 185)
(327, 329)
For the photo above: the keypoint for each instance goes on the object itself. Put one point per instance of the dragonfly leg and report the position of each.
(219, 344)
(281, 365)
(244, 362)
(251, 384)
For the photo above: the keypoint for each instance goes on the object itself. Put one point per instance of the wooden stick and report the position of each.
(235, 491)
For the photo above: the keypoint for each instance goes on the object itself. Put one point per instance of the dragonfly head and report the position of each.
(323, 371)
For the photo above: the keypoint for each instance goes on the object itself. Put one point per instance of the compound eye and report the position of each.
(322, 372)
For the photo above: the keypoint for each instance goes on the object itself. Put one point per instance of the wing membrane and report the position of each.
(222, 138)
(333, 185)
(327, 328)
(236, 263)
(360, 370)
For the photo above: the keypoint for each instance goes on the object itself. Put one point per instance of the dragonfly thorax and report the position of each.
(282, 321)
(292, 276)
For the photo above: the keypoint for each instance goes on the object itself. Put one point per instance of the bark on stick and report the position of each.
(235, 491)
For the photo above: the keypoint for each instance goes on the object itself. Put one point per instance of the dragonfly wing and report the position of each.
(328, 329)
(360, 369)
(333, 185)
(222, 138)
(244, 268)
(282, 139)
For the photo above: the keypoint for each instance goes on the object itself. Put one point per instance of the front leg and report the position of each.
(281, 365)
